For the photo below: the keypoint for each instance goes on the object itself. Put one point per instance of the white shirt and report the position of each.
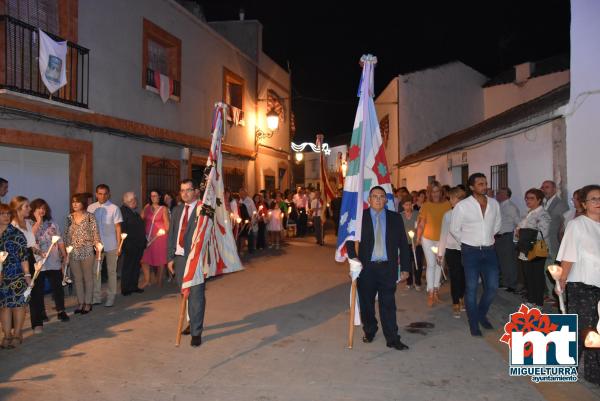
(469, 226)
(250, 206)
(568, 216)
(548, 202)
(315, 206)
(178, 249)
(581, 245)
(447, 241)
(107, 216)
(28, 233)
(510, 216)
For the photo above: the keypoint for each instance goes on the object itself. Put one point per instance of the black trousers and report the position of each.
(582, 299)
(37, 308)
(418, 267)
(457, 274)
(535, 280)
(378, 278)
(302, 222)
(130, 268)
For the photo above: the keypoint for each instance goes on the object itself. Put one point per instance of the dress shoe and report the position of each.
(486, 324)
(399, 345)
(138, 290)
(186, 331)
(126, 293)
(368, 338)
(63, 317)
(196, 341)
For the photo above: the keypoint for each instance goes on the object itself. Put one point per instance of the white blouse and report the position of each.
(447, 241)
(581, 245)
(28, 233)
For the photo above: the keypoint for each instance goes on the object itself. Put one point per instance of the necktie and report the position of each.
(378, 251)
(184, 224)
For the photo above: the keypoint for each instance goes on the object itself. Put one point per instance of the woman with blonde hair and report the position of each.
(14, 279)
(428, 235)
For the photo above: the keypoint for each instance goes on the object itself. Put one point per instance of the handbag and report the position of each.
(539, 250)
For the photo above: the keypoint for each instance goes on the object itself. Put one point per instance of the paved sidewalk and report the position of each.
(276, 331)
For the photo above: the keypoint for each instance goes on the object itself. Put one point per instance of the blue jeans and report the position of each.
(479, 262)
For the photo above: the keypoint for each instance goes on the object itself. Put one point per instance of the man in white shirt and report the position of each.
(109, 219)
(251, 209)
(556, 208)
(505, 246)
(316, 207)
(475, 221)
(179, 243)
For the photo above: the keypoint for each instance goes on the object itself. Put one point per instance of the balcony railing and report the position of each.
(19, 64)
(150, 81)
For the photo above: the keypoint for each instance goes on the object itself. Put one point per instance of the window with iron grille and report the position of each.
(161, 55)
(234, 179)
(160, 174)
(269, 182)
(499, 176)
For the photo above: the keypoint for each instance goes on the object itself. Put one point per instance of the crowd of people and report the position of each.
(479, 236)
(473, 234)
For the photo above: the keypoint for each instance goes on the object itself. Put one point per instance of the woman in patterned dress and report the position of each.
(14, 279)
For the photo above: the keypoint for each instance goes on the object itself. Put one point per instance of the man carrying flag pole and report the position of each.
(379, 230)
(211, 250)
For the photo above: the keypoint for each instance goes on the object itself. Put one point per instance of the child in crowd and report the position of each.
(274, 224)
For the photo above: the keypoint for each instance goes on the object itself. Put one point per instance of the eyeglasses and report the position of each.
(4, 213)
(593, 201)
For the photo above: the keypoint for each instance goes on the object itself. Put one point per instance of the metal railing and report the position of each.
(151, 81)
(19, 64)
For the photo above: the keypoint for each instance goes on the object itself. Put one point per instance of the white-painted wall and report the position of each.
(38, 174)
(528, 155)
(500, 98)
(436, 102)
(387, 103)
(583, 139)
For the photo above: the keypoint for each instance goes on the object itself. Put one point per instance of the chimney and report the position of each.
(242, 14)
(523, 72)
(195, 8)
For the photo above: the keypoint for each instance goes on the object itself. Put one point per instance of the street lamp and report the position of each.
(299, 156)
(344, 168)
(272, 125)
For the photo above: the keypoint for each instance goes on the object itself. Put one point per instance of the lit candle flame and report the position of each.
(555, 271)
(99, 246)
(289, 209)
(411, 234)
(282, 214)
(55, 239)
(434, 249)
(69, 249)
(238, 220)
(246, 221)
(3, 256)
(161, 232)
(123, 236)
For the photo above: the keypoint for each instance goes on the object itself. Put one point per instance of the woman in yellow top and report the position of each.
(428, 235)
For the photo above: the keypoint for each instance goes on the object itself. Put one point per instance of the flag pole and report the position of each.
(352, 311)
(182, 310)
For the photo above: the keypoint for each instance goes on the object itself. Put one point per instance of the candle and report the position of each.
(69, 249)
(282, 214)
(434, 249)
(161, 232)
(289, 209)
(411, 234)
(238, 220)
(556, 271)
(3, 256)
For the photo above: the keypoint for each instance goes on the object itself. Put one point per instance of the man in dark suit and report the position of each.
(382, 237)
(181, 232)
(133, 246)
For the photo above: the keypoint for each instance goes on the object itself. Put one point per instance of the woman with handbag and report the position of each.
(533, 261)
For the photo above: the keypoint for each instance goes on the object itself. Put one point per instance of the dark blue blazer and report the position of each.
(395, 241)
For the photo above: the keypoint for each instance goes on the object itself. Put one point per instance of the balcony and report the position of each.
(19, 65)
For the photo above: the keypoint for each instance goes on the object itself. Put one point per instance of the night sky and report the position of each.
(323, 41)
